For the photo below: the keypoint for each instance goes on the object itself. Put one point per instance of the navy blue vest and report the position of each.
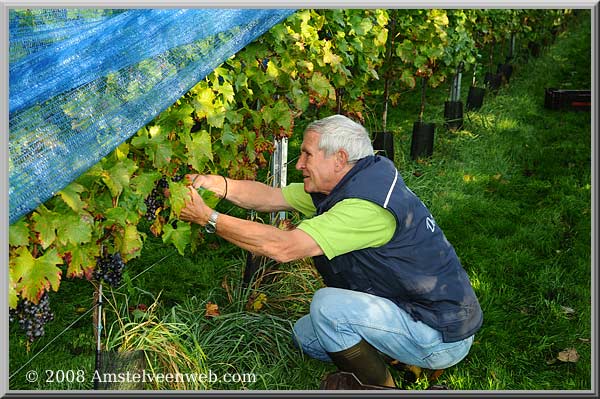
(417, 269)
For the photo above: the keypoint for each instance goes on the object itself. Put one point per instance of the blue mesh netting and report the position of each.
(82, 81)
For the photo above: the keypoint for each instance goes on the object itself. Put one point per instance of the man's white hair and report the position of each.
(340, 132)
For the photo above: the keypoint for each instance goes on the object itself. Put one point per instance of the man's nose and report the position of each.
(300, 163)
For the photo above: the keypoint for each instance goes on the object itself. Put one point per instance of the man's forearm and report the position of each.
(267, 240)
(255, 195)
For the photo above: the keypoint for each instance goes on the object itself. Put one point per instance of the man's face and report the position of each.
(318, 171)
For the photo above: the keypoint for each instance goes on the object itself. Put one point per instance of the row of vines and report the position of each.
(315, 63)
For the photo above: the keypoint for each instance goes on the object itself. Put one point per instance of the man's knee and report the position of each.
(322, 300)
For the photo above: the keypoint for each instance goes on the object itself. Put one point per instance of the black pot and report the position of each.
(383, 144)
(475, 98)
(505, 70)
(422, 140)
(453, 115)
(493, 81)
(535, 49)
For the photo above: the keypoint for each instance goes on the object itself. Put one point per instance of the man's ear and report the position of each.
(341, 158)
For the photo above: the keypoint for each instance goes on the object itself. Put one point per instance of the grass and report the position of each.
(512, 191)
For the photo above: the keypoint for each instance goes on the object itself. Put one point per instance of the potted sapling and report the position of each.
(453, 108)
(422, 133)
(383, 141)
(476, 94)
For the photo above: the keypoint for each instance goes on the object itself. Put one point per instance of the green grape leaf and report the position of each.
(209, 197)
(116, 215)
(117, 177)
(33, 276)
(18, 233)
(180, 237)
(199, 149)
(228, 137)
(143, 184)
(216, 117)
(76, 229)
(280, 114)
(177, 118)
(226, 90)
(141, 140)
(70, 195)
(178, 194)
(45, 226)
(163, 153)
(129, 242)
(321, 86)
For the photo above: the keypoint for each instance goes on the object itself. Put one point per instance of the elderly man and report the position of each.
(395, 285)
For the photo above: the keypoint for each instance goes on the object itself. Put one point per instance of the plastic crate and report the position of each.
(577, 100)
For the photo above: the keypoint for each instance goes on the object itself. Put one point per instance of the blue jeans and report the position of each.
(340, 318)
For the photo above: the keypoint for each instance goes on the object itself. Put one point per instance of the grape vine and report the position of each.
(314, 63)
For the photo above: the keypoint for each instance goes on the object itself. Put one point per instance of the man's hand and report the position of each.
(195, 210)
(214, 183)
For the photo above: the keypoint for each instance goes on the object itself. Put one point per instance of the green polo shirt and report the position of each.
(350, 225)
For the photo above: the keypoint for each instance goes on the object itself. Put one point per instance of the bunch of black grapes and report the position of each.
(156, 198)
(32, 317)
(110, 269)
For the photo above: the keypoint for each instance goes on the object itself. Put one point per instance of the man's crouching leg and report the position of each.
(365, 363)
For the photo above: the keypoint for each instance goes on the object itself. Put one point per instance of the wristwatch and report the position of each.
(211, 226)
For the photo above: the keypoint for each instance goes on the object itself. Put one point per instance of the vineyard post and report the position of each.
(98, 328)
(279, 169)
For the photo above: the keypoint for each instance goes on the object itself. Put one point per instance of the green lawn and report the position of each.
(512, 192)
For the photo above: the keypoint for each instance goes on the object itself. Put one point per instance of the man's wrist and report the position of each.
(211, 224)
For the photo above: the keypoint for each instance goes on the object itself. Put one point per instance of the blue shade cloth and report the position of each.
(82, 81)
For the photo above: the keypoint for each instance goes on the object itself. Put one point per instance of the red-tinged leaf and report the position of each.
(33, 276)
(408, 79)
(128, 242)
(18, 233)
(83, 260)
(180, 237)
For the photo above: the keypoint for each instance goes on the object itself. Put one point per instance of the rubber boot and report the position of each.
(364, 361)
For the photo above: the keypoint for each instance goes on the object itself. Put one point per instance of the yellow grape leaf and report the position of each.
(129, 243)
(212, 310)
(568, 355)
(18, 233)
(70, 195)
(12, 292)
(33, 276)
